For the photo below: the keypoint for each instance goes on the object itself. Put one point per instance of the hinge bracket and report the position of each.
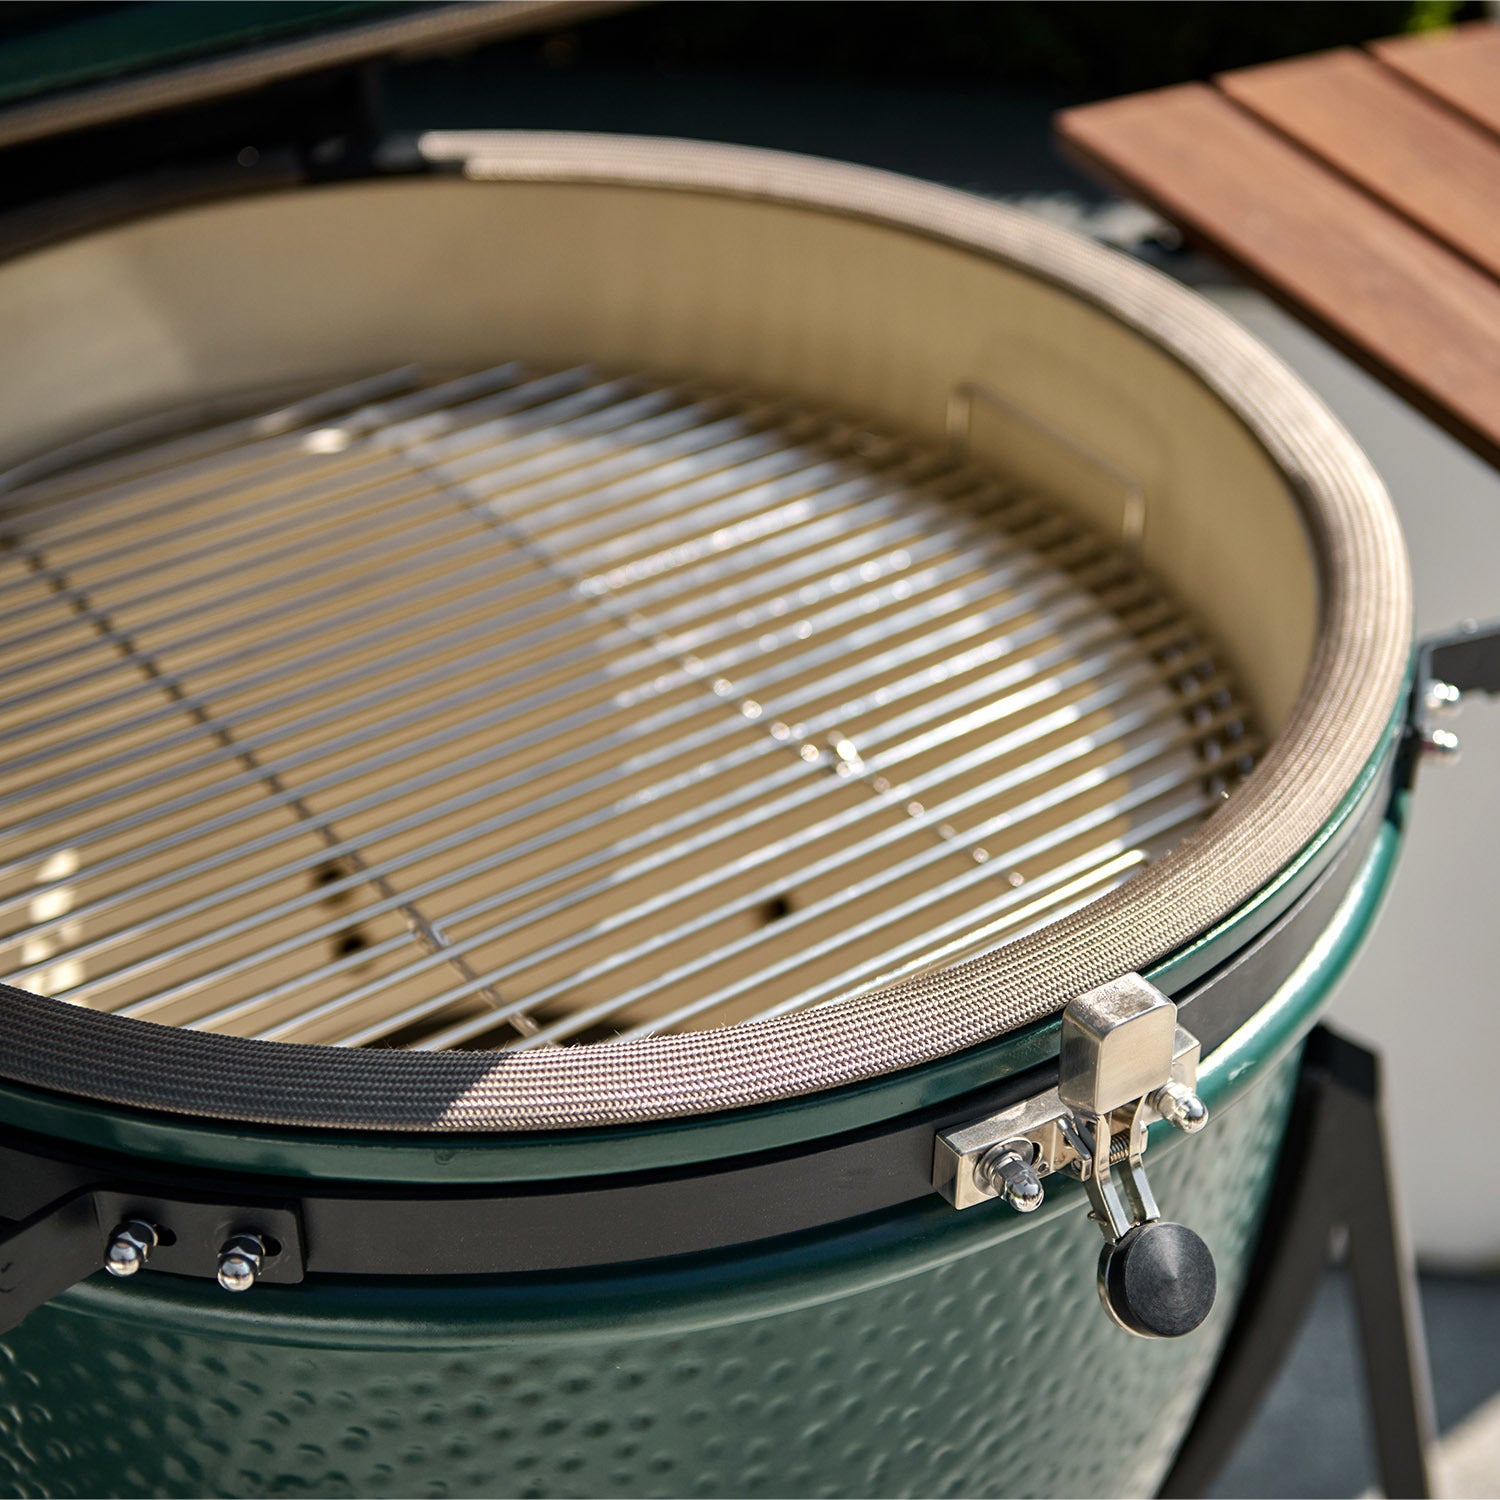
(1466, 660)
(1124, 1063)
(104, 1228)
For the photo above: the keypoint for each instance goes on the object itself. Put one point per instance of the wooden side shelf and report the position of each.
(1360, 188)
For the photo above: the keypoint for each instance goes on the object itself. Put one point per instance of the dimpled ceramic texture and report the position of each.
(994, 1373)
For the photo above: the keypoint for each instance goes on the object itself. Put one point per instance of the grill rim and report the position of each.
(1338, 727)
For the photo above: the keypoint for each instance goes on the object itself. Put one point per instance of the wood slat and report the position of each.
(1424, 320)
(1461, 67)
(1369, 123)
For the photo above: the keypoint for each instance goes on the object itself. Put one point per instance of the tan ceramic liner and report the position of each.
(831, 283)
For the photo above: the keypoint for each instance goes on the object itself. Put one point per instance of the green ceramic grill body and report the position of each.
(912, 1350)
(920, 1352)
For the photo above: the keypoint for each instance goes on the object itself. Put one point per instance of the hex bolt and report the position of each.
(1442, 695)
(1009, 1172)
(1439, 744)
(240, 1262)
(1180, 1107)
(130, 1247)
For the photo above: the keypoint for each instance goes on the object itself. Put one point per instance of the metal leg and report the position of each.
(1332, 1177)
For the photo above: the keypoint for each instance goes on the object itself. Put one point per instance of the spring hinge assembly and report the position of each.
(1124, 1063)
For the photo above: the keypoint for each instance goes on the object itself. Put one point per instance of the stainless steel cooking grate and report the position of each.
(540, 707)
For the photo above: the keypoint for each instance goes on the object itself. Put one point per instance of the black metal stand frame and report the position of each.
(1332, 1181)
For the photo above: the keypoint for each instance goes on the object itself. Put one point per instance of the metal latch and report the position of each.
(1124, 1063)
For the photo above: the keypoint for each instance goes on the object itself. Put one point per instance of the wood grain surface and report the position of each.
(1460, 67)
(1366, 122)
(1352, 196)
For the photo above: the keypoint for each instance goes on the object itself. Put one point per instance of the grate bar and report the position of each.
(591, 1015)
(1014, 911)
(373, 552)
(774, 490)
(897, 535)
(1159, 786)
(509, 706)
(363, 702)
(913, 552)
(757, 856)
(678, 431)
(505, 590)
(79, 465)
(288, 442)
(704, 812)
(411, 483)
(308, 898)
(789, 773)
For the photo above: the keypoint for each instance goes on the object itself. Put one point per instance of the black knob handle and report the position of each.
(1158, 1280)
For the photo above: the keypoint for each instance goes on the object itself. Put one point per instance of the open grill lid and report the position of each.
(95, 96)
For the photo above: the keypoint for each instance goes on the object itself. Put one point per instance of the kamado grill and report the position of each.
(598, 735)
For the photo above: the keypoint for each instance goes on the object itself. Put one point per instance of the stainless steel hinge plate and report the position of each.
(1039, 1122)
(1123, 1064)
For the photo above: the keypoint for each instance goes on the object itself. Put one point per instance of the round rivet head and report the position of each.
(1180, 1107)
(1443, 695)
(1013, 1178)
(237, 1273)
(130, 1247)
(124, 1258)
(1025, 1192)
(1440, 744)
(240, 1262)
(1158, 1280)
